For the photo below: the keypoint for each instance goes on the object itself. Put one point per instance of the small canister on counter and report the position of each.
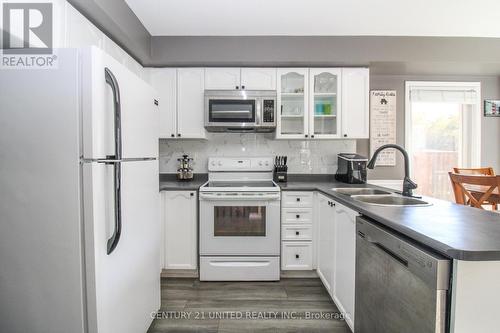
(185, 170)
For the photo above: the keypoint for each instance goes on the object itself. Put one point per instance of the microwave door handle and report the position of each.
(258, 112)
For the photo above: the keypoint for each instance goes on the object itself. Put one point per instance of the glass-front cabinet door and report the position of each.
(293, 115)
(324, 102)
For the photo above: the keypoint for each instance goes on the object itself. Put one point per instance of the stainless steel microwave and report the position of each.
(240, 110)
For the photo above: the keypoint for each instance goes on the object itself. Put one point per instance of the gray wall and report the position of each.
(384, 55)
(490, 127)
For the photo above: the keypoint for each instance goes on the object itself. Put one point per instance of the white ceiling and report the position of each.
(472, 18)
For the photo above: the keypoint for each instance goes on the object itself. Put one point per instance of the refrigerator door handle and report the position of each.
(115, 238)
(115, 160)
(111, 80)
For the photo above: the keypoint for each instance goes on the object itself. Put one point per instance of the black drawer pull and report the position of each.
(298, 199)
(297, 256)
(297, 216)
(296, 233)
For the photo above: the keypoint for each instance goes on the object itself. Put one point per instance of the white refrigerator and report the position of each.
(79, 201)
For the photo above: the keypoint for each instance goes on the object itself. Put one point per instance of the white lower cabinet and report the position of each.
(180, 215)
(297, 231)
(336, 252)
(326, 239)
(345, 260)
(296, 256)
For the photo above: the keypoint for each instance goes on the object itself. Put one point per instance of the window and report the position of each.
(442, 131)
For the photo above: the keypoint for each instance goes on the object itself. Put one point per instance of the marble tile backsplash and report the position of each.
(318, 156)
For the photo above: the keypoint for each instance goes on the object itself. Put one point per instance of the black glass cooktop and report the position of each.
(240, 184)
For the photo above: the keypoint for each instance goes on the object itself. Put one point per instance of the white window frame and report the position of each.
(474, 139)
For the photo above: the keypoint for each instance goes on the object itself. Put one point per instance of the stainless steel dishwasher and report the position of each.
(400, 287)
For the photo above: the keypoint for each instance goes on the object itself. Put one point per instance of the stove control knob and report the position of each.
(213, 163)
(267, 163)
(220, 163)
(260, 163)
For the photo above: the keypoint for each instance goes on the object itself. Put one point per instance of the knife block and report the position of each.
(280, 176)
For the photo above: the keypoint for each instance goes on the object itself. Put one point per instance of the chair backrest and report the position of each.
(488, 171)
(464, 186)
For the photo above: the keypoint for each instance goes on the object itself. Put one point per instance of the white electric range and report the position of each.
(240, 221)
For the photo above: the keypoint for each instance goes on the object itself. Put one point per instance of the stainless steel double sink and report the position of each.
(378, 197)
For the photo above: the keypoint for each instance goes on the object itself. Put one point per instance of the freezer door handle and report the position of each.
(111, 80)
(115, 238)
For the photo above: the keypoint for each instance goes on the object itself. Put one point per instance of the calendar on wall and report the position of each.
(383, 124)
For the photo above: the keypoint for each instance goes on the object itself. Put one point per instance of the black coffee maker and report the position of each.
(351, 168)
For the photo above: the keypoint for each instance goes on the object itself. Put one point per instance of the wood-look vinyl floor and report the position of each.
(189, 305)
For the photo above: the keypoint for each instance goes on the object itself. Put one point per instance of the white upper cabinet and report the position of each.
(355, 103)
(292, 115)
(164, 80)
(258, 78)
(325, 100)
(312, 103)
(225, 78)
(190, 103)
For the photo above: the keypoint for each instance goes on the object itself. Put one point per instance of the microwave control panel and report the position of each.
(268, 114)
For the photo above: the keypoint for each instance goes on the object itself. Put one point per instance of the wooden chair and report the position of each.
(475, 190)
(488, 171)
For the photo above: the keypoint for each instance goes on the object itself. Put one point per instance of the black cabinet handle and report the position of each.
(179, 135)
(242, 87)
(296, 233)
(298, 199)
(306, 135)
(297, 216)
(345, 135)
(191, 194)
(297, 256)
(172, 135)
(237, 87)
(312, 136)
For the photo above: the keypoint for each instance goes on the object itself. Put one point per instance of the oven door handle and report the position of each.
(239, 196)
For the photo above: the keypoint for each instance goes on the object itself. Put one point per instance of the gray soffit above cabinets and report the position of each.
(384, 55)
(118, 22)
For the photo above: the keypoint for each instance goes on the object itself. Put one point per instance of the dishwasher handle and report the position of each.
(395, 256)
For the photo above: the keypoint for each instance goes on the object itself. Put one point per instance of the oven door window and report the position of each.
(243, 221)
(231, 111)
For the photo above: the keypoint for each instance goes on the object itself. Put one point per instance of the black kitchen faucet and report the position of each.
(408, 184)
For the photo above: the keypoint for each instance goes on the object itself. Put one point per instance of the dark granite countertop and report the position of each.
(169, 182)
(455, 231)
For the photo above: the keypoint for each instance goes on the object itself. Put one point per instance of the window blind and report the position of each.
(444, 96)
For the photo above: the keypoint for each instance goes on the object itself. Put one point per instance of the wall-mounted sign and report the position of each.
(383, 124)
(491, 108)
